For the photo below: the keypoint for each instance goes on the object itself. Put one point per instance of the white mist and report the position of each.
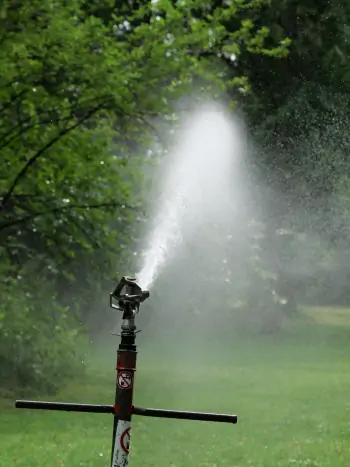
(202, 172)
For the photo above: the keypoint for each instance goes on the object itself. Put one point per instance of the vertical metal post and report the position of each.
(123, 406)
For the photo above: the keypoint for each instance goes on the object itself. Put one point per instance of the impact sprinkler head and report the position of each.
(128, 295)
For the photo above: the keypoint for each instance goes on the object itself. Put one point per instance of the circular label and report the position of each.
(124, 380)
(125, 440)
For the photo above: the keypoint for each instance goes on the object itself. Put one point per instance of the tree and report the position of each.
(78, 91)
(73, 85)
(297, 110)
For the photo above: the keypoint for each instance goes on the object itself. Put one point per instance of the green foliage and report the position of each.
(62, 185)
(77, 92)
(318, 42)
(40, 345)
(81, 82)
(298, 110)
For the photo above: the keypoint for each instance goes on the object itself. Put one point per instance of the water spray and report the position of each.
(126, 298)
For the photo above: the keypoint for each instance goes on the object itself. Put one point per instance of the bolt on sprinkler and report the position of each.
(126, 298)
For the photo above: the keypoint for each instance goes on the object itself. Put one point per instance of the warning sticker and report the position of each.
(125, 440)
(125, 380)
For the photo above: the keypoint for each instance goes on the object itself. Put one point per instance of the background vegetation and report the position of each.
(85, 88)
(81, 85)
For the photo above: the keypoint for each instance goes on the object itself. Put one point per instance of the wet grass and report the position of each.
(291, 393)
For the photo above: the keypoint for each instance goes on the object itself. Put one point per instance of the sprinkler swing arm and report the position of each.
(123, 408)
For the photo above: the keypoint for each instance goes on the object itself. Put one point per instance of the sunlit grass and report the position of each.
(335, 316)
(291, 393)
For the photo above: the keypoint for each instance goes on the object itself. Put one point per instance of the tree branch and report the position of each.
(12, 99)
(86, 234)
(31, 161)
(48, 113)
(25, 129)
(141, 119)
(59, 209)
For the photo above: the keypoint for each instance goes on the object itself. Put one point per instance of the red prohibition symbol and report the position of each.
(125, 440)
(124, 380)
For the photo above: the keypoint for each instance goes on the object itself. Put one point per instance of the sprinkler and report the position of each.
(126, 298)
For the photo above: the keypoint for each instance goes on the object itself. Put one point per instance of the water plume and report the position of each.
(200, 175)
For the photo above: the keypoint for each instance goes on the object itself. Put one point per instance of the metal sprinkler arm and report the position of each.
(110, 409)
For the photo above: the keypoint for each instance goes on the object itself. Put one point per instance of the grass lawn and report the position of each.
(291, 393)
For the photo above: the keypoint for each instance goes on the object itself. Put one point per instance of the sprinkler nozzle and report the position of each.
(129, 300)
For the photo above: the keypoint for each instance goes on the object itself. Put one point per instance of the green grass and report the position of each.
(290, 391)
